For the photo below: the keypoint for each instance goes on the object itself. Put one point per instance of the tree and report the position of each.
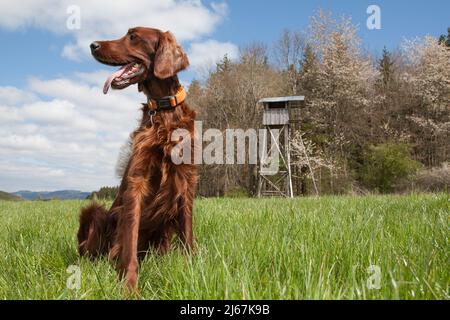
(386, 70)
(387, 100)
(429, 78)
(306, 154)
(308, 70)
(445, 39)
(223, 65)
(105, 193)
(288, 51)
(340, 100)
(386, 164)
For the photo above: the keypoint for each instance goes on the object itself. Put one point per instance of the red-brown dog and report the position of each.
(156, 196)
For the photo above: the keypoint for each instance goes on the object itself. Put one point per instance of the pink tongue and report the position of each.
(111, 78)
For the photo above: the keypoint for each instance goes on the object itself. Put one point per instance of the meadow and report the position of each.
(303, 248)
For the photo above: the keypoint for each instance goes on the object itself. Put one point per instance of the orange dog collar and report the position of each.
(169, 102)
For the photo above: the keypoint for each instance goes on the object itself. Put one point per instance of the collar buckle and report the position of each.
(164, 103)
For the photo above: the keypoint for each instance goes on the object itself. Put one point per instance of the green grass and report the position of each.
(311, 248)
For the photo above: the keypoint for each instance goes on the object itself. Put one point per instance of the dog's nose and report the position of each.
(95, 46)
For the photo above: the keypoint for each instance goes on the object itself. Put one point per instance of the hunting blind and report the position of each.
(281, 116)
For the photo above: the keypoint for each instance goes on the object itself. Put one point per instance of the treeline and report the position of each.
(369, 124)
(105, 193)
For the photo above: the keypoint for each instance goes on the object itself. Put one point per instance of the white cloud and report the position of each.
(205, 55)
(64, 133)
(103, 19)
(71, 52)
(24, 142)
(13, 95)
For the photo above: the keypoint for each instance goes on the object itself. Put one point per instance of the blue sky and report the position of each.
(246, 21)
(251, 20)
(57, 130)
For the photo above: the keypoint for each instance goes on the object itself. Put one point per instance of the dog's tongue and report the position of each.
(111, 78)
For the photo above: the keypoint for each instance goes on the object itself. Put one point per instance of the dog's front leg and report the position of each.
(126, 245)
(185, 214)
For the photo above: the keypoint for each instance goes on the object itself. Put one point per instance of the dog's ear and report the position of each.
(170, 57)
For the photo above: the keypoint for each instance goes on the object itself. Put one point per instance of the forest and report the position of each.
(370, 124)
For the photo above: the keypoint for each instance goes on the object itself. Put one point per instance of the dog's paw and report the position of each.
(131, 280)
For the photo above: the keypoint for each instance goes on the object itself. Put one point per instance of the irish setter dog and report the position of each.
(156, 196)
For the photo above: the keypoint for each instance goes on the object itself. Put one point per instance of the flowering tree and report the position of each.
(306, 154)
(429, 77)
(339, 102)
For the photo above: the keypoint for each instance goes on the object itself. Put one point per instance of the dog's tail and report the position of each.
(96, 230)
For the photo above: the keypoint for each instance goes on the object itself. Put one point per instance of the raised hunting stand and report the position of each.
(282, 114)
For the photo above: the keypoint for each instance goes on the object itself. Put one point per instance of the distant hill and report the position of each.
(62, 195)
(9, 196)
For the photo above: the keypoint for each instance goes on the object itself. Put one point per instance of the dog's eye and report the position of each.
(132, 36)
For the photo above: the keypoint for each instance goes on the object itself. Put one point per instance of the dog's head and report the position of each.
(142, 53)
